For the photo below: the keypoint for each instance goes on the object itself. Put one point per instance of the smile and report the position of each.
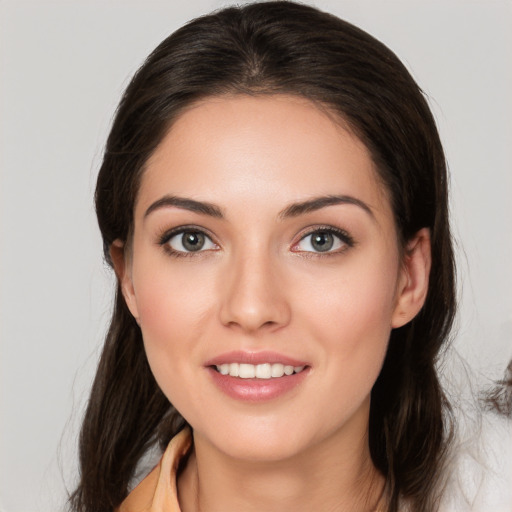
(257, 371)
(257, 376)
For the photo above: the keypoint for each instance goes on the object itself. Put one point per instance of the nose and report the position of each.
(253, 295)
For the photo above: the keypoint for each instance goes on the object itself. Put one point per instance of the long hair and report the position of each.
(280, 48)
(499, 398)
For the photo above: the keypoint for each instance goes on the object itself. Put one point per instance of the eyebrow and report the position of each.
(317, 203)
(294, 210)
(186, 204)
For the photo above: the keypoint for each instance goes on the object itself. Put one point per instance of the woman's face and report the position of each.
(263, 244)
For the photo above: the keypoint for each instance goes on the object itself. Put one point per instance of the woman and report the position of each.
(273, 199)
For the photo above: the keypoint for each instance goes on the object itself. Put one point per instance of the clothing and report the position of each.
(480, 471)
(158, 491)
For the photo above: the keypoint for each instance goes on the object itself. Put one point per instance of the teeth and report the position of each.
(234, 369)
(277, 370)
(259, 371)
(247, 371)
(263, 371)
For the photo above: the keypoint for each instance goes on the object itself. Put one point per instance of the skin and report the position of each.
(260, 285)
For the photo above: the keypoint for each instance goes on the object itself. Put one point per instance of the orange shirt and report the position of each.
(158, 491)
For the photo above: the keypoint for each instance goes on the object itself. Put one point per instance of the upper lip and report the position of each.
(241, 356)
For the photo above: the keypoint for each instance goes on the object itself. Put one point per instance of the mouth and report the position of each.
(257, 376)
(257, 371)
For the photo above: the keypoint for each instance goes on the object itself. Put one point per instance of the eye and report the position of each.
(189, 240)
(324, 240)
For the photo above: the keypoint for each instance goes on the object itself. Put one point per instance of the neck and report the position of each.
(334, 474)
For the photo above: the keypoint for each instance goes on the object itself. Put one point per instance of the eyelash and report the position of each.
(346, 239)
(341, 234)
(164, 238)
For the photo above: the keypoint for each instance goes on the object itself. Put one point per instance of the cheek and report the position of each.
(171, 297)
(351, 317)
(173, 310)
(358, 297)
(166, 310)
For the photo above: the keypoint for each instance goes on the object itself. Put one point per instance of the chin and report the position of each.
(259, 441)
(261, 448)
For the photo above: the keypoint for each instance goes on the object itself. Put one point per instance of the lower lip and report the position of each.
(256, 390)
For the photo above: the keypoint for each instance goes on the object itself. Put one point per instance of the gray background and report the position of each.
(63, 65)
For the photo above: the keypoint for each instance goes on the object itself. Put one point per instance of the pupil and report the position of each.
(193, 241)
(322, 241)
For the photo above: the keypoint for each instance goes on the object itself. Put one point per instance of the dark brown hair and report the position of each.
(280, 48)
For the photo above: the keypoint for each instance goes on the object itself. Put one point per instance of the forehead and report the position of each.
(260, 151)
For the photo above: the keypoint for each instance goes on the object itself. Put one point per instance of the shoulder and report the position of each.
(141, 497)
(157, 491)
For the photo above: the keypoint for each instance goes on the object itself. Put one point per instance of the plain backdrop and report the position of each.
(63, 66)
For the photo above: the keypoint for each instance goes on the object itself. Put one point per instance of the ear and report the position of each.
(413, 280)
(121, 262)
